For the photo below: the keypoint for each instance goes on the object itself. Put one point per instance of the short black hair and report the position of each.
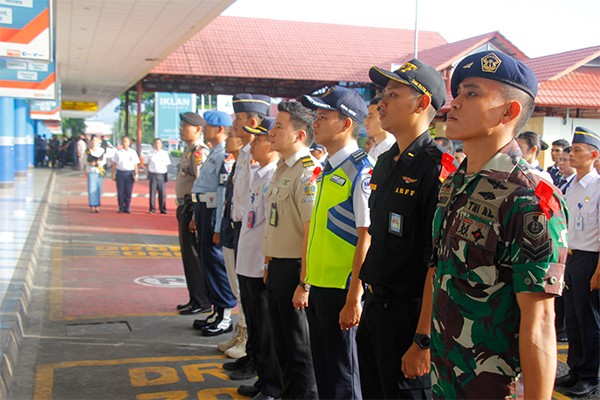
(445, 143)
(301, 117)
(375, 101)
(527, 104)
(561, 143)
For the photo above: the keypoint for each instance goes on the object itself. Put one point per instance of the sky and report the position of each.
(537, 27)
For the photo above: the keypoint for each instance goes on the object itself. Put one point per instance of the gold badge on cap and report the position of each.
(490, 63)
(467, 66)
(408, 67)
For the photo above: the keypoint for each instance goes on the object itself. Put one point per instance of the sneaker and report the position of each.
(238, 350)
(215, 330)
(232, 340)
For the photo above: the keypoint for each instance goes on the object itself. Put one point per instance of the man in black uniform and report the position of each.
(404, 187)
(188, 169)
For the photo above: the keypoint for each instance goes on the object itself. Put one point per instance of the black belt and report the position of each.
(573, 251)
(236, 224)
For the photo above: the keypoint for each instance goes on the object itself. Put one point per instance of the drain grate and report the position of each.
(98, 328)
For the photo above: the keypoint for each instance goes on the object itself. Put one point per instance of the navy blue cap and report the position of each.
(583, 135)
(497, 66)
(265, 126)
(246, 102)
(217, 118)
(422, 77)
(192, 118)
(316, 146)
(341, 99)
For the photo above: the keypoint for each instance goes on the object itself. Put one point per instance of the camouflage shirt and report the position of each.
(494, 239)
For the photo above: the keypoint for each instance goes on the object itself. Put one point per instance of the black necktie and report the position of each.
(327, 167)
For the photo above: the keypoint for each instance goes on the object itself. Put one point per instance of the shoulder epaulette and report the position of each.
(307, 161)
(359, 155)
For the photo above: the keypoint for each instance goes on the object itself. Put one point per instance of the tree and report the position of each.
(73, 126)
(147, 116)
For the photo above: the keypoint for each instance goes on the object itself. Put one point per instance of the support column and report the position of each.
(20, 133)
(30, 138)
(7, 142)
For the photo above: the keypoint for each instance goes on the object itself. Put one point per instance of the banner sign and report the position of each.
(25, 29)
(45, 109)
(167, 107)
(27, 79)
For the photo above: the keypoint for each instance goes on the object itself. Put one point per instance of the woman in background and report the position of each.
(531, 144)
(94, 171)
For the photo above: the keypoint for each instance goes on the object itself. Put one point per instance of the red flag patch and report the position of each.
(548, 202)
(448, 166)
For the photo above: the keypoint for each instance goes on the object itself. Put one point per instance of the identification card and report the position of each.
(251, 219)
(579, 223)
(273, 215)
(395, 224)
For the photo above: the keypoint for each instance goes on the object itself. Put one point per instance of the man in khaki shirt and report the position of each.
(291, 198)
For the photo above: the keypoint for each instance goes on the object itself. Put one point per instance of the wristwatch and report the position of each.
(422, 340)
(304, 286)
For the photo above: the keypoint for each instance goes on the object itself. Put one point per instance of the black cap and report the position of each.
(246, 102)
(497, 66)
(584, 135)
(265, 126)
(341, 99)
(192, 118)
(422, 77)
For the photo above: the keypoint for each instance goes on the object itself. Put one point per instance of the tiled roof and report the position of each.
(444, 56)
(580, 88)
(292, 50)
(556, 65)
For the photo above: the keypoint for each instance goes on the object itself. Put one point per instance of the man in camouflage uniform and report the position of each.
(500, 236)
(190, 130)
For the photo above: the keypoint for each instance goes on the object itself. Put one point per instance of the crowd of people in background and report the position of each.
(355, 269)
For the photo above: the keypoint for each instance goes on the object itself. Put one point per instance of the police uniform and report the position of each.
(291, 198)
(158, 162)
(498, 232)
(341, 207)
(125, 162)
(582, 306)
(187, 171)
(208, 194)
(402, 203)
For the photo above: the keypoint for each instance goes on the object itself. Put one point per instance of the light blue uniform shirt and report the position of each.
(212, 179)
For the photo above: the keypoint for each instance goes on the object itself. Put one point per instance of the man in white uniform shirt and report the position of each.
(158, 162)
(383, 139)
(582, 273)
(125, 173)
(250, 266)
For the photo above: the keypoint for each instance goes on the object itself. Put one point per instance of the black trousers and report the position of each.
(582, 309)
(124, 189)
(253, 294)
(211, 258)
(157, 183)
(290, 330)
(194, 275)
(334, 353)
(385, 333)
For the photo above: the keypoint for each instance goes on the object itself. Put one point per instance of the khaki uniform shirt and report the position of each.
(291, 197)
(189, 168)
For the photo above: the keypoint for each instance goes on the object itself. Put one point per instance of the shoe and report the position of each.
(151, 212)
(242, 374)
(232, 340)
(583, 388)
(182, 306)
(215, 330)
(237, 364)
(261, 396)
(248, 390)
(127, 212)
(238, 350)
(568, 380)
(210, 320)
(163, 212)
(191, 310)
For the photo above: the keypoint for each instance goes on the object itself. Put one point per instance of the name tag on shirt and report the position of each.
(579, 223)
(395, 224)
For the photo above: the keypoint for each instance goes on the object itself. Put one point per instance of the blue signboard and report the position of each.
(27, 79)
(167, 107)
(25, 29)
